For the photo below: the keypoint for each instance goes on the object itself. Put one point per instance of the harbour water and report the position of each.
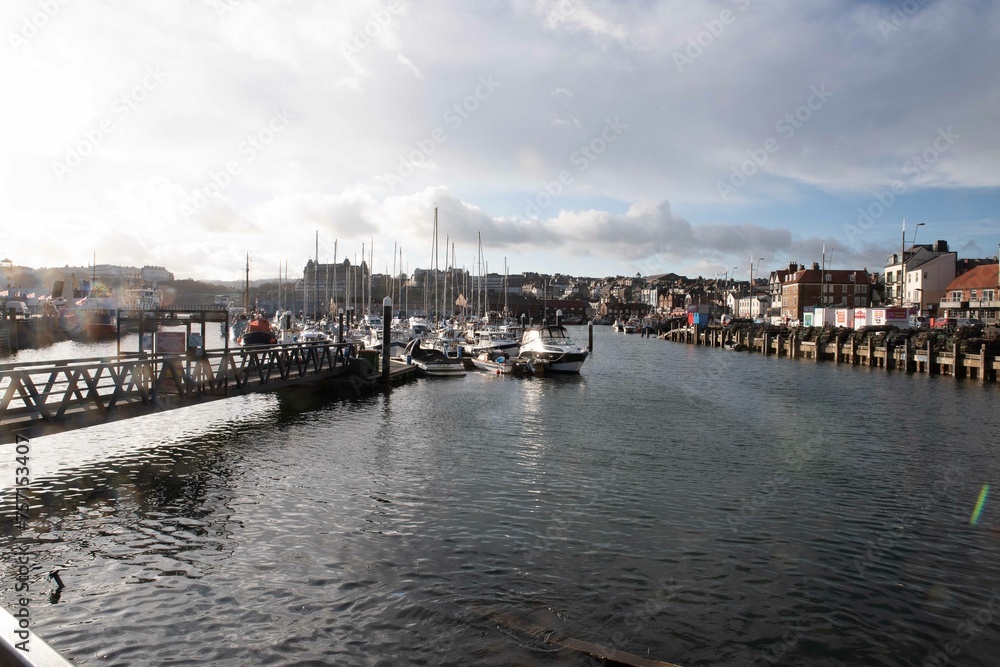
(677, 502)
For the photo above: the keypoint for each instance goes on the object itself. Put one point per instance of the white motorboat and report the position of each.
(550, 348)
(431, 361)
(496, 362)
(373, 341)
(489, 340)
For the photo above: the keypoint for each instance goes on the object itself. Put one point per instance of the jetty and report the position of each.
(958, 354)
(52, 396)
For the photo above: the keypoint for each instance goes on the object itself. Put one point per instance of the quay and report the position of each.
(889, 348)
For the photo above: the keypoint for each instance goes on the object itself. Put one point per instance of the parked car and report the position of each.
(969, 323)
(918, 322)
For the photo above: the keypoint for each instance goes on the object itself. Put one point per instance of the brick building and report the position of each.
(807, 288)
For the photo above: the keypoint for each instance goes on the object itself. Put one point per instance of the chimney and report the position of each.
(940, 246)
(815, 266)
(793, 267)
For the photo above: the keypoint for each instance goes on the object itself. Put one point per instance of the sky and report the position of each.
(589, 137)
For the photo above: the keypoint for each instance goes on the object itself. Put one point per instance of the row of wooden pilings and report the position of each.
(949, 360)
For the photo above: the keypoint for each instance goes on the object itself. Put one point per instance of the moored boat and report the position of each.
(496, 362)
(258, 332)
(550, 348)
(93, 316)
(431, 361)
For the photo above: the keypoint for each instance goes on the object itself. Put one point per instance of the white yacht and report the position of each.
(550, 348)
(490, 340)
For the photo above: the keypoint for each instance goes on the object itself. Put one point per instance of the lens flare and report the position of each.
(974, 519)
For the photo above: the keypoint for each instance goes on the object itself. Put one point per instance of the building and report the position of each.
(749, 307)
(774, 288)
(929, 268)
(153, 275)
(808, 288)
(975, 293)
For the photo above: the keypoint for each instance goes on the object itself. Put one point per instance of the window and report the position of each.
(972, 295)
(988, 295)
(956, 295)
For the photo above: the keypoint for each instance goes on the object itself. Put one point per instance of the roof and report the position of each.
(981, 276)
(837, 276)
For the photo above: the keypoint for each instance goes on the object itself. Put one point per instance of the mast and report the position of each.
(371, 263)
(506, 278)
(434, 265)
(246, 291)
(444, 297)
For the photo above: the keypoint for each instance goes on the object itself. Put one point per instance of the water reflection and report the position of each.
(754, 512)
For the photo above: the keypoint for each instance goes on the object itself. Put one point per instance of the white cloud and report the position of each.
(565, 67)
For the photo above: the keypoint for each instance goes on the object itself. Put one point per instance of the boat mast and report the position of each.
(371, 263)
(444, 297)
(506, 278)
(436, 264)
(246, 290)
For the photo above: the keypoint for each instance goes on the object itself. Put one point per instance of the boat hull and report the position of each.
(555, 362)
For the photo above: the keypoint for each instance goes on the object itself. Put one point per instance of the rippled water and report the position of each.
(685, 504)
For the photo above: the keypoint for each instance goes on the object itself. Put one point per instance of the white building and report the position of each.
(929, 270)
(749, 307)
(153, 275)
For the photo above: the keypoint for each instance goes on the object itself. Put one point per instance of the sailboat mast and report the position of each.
(506, 279)
(444, 297)
(436, 264)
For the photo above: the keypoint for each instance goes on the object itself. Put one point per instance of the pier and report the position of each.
(52, 396)
(885, 348)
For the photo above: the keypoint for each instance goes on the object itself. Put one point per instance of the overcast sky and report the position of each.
(592, 137)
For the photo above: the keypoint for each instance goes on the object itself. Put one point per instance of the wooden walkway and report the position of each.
(52, 396)
(874, 352)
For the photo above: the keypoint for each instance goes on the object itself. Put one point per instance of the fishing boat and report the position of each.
(258, 332)
(431, 361)
(550, 348)
(92, 316)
